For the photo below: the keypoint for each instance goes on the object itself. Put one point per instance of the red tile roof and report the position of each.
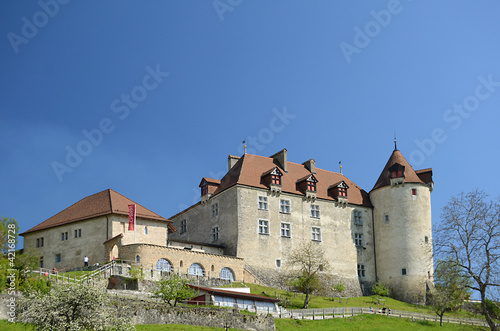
(103, 203)
(249, 169)
(410, 175)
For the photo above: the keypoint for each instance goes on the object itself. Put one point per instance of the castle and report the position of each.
(265, 207)
(246, 223)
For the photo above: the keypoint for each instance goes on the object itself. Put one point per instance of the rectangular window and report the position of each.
(215, 209)
(315, 211)
(285, 206)
(62, 236)
(262, 203)
(426, 239)
(76, 233)
(413, 191)
(183, 226)
(357, 239)
(58, 258)
(214, 234)
(276, 179)
(145, 230)
(357, 218)
(41, 242)
(286, 230)
(386, 218)
(311, 186)
(403, 272)
(278, 263)
(79, 232)
(361, 270)
(263, 227)
(38, 243)
(316, 233)
(41, 262)
(342, 192)
(66, 235)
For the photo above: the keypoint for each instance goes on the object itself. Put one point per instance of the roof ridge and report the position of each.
(110, 201)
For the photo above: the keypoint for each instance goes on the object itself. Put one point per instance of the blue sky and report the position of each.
(147, 97)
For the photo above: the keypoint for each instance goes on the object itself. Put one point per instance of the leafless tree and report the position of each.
(308, 261)
(469, 235)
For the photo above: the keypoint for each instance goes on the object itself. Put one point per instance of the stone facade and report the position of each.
(65, 246)
(182, 259)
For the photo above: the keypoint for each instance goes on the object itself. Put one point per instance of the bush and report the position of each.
(380, 289)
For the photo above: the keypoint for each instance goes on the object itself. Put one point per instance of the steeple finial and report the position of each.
(395, 142)
(245, 146)
(340, 164)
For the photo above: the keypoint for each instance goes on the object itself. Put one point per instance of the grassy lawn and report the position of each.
(366, 322)
(296, 301)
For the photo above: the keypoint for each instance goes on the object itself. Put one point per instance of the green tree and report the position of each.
(70, 307)
(173, 289)
(338, 288)
(450, 288)
(380, 289)
(469, 234)
(307, 260)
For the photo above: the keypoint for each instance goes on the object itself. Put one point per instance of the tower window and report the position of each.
(137, 259)
(426, 239)
(214, 234)
(413, 191)
(386, 218)
(403, 271)
(278, 263)
(145, 230)
(361, 270)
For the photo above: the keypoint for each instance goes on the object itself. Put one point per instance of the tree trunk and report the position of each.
(441, 320)
(489, 320)
(306, 301)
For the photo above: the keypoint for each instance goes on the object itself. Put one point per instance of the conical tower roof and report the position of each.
(410, 174)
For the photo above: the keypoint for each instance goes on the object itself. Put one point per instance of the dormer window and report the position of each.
(338, 191)
(275, 179)
(272, 179)
(311, 186)
(307, 185)
(397, 174)
(208, 187)
(204, 189)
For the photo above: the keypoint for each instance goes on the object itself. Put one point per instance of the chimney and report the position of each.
(280, 158)
(231, 161)
(310, 165)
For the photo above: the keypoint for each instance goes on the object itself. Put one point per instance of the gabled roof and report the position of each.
(206, 180)
(103, 203)
(397, 158)
(232, 294)
(249, 169)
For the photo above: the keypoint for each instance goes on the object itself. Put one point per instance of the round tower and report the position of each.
(402, 228)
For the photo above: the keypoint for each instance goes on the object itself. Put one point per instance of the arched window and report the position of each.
(163, 265)
(181, 264)
(196, 269)
(227, 273)
(137, 259)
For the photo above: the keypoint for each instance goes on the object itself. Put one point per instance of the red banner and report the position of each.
(131, 217)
